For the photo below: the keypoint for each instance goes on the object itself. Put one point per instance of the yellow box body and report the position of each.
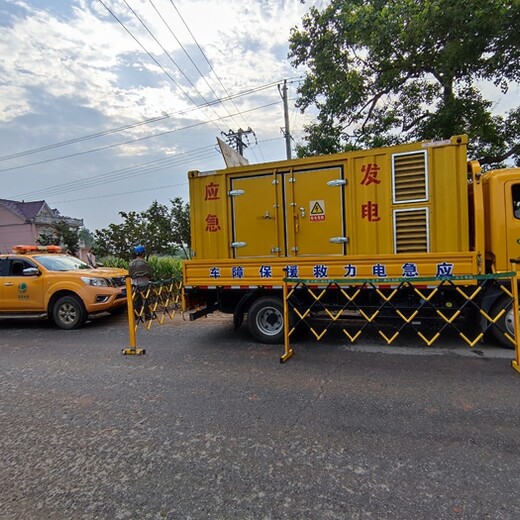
(381, 212)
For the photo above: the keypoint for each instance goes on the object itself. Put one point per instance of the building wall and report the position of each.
(14, 231)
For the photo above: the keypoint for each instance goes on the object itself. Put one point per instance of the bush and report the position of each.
(163, 267)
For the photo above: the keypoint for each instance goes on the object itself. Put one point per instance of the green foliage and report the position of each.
(163, 267)
(112, 261)
(162, 230)
(383, 72)
(86, 237)
(61, 235)
(47, 238)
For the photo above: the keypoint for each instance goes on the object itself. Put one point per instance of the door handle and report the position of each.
(8, 284)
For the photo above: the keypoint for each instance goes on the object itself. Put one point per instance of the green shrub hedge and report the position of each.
(163, 267)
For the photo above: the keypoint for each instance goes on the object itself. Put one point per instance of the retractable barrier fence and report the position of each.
(390, 305)
(148, 306)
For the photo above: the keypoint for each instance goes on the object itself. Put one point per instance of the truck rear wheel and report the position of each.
(506, 323)
(68, 313)
(265, 320)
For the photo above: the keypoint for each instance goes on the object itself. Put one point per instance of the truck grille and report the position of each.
(117, 281)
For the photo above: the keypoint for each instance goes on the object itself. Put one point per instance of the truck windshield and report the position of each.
(61, 263)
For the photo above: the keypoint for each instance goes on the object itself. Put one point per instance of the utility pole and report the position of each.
(235, 139)
(285, 131)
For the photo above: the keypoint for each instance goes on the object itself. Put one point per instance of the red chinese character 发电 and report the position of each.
(370, 211)
(370, 172)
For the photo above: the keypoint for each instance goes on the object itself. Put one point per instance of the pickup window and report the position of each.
(17, 265)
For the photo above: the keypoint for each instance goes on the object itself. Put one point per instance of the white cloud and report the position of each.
(69, 69)
(13, 102)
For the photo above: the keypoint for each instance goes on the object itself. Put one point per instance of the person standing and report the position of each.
(141, 274)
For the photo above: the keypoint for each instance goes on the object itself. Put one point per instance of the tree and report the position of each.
(85, 236)
(61, 235)
(180, 219)
(384, 72)
(160, 229)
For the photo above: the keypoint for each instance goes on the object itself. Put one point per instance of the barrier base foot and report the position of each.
(287, 355)
(134, 351)
(515, 365)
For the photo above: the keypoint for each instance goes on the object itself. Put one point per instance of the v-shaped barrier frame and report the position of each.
(148, 305)
(360, 305)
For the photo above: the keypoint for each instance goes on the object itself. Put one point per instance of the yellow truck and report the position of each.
(41, 282)
(405, 212)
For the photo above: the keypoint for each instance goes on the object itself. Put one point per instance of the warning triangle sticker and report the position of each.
(316, 209)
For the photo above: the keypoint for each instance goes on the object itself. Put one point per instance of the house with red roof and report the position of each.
(23, 222)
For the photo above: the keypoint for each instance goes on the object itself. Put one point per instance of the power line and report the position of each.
(205, 57)
(84, 138)
(171, 59)
(132, 141)
(104, 133)
(119, 173)
(133, 191)
(188, 55)
(123, 174)
(149, 54)
(119, 193)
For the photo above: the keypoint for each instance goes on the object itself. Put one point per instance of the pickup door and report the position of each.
(20, 293)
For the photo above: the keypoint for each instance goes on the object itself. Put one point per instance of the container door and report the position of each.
(512, 209)
(256, 224)
(315, 212)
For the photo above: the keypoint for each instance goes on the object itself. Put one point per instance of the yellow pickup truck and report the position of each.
(41, 281)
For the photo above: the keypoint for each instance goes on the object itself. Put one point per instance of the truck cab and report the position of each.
(501, 196)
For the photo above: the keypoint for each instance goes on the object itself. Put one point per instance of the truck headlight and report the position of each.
(96, 282)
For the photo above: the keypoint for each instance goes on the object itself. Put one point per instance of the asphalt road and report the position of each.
(209, 425)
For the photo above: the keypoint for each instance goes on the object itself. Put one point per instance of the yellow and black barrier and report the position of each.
(350, 311)
(148, 305)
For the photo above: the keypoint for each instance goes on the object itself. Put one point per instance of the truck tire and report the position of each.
(506, 322)
(265, 320)
(68, 313)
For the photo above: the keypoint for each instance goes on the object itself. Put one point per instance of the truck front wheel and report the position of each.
(68, 312)
(506, 322)
(265, 320)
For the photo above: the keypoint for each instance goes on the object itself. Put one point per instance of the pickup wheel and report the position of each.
(68, 312)
(506, 323)
(265, 320)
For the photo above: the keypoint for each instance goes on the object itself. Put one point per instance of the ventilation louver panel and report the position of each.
(410, 177)
(411, 231)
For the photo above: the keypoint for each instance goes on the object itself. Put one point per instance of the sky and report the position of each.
(105, 105)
